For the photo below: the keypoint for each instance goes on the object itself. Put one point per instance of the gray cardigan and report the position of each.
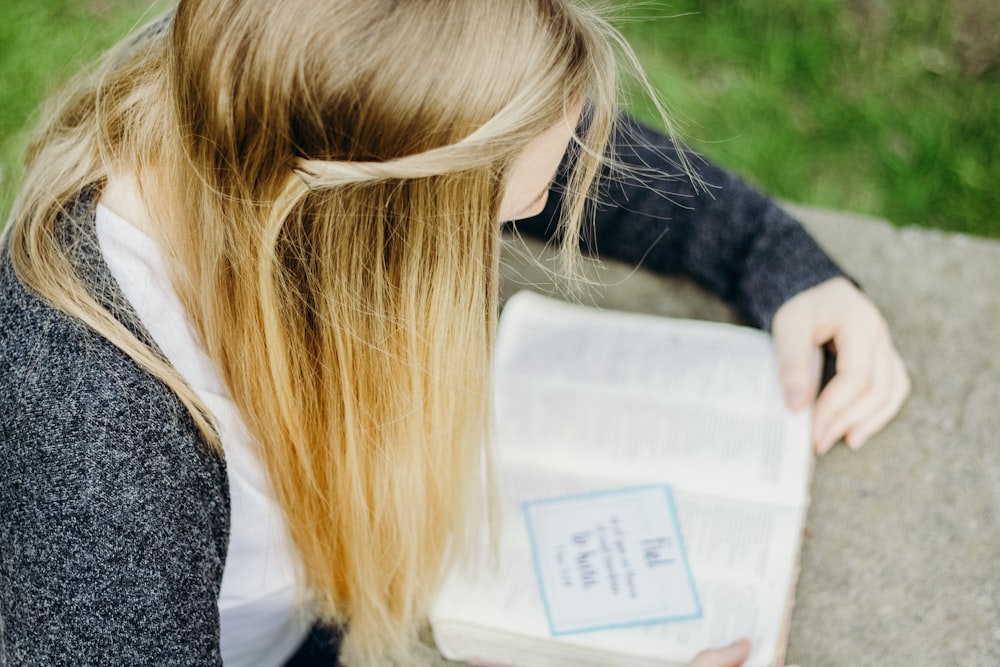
(114, 514)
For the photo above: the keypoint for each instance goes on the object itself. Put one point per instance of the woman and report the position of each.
(249, 292)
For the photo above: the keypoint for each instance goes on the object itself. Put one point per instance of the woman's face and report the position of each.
(533, 172)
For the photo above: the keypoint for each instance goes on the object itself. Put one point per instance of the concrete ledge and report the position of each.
(901, 565)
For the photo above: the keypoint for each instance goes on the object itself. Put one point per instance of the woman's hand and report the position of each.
(870, 383)
(730, 656)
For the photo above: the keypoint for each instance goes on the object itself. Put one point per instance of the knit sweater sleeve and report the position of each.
(113, 513)
(725, 235)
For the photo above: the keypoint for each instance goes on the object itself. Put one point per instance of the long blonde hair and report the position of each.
(327, 184)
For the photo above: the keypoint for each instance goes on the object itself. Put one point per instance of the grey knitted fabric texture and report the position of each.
(727, 236)
(114, 514)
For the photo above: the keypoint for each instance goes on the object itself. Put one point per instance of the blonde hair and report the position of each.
(335, 171)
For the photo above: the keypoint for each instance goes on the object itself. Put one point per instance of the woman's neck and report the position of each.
(126, 198)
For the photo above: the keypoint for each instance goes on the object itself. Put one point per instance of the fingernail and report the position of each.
(820, 440)
(797, 398)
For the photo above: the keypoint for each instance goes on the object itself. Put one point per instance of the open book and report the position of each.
(601, 404)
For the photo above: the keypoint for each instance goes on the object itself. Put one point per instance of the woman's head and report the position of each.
(340, 91)
(330, 176)
(364, 148)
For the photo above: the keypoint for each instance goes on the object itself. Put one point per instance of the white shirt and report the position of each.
(261, 625)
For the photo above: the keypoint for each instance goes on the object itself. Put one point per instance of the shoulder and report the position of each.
(71, 398)
(113, 511)
(64, 380)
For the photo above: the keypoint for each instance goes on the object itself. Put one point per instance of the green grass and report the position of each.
(874, 107)
(856, 105)
(42, 43)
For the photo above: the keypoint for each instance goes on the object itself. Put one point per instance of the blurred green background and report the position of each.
(883, 107)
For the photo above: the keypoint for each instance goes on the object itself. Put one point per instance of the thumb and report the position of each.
(798, 359)
(730, 656)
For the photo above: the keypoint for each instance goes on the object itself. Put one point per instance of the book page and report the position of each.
(739, 554)
(590, 401)
(698, 405)
(610, 558)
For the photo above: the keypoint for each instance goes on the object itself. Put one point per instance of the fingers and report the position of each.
(860, 433)
(857, 389)
(859, 402)
(870, 383)
(798, 363)
(730, 656)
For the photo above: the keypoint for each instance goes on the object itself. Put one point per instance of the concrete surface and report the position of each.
(901, 564)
